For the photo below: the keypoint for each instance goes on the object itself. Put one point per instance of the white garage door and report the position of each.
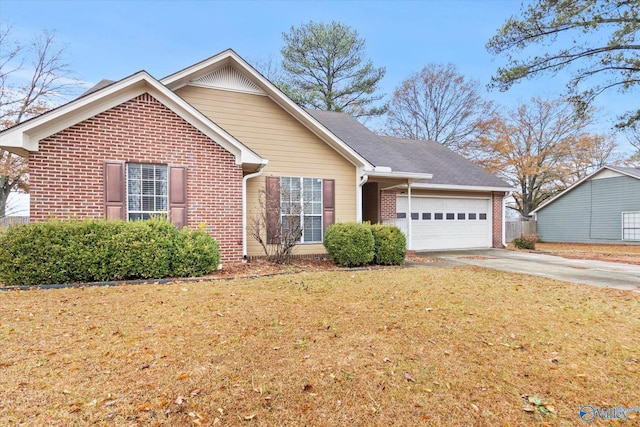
(447, 223)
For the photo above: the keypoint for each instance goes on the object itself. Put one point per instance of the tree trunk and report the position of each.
(4, 195)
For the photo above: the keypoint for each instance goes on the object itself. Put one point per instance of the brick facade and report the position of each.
(387, 204)
(67, 178)
(496, 229)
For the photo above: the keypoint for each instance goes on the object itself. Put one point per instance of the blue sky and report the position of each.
(113, 39)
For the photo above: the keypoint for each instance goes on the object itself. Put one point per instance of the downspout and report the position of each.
(244, 209)
(409, 226)
(361, 182)
(504, 218)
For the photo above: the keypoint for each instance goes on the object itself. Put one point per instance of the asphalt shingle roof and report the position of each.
(101, 84)
(405, 155)
(635, 172)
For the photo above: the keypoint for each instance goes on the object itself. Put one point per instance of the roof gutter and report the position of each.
(361, 181)
(427, 186)
(398, 175)
(244, 207)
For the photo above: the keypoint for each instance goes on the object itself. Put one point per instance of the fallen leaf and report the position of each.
(183, 376)
(307, 387)
(386, 359)
(528, 408)
(145, 366)
(475, 407)
(249, 417)
(195, 392)
(143, 407)
(110, 402)
(408, 377)
(179, 400)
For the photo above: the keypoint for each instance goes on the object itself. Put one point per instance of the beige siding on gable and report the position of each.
(292, 150)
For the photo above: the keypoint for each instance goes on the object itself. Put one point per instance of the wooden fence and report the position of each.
(519, 228)
(8, 221)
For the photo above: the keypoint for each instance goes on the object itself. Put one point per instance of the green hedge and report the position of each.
(197, 253)
(390, 245)
(349, 244)
(99, 250)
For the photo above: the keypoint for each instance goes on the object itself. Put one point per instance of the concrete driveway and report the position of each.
(596, 273)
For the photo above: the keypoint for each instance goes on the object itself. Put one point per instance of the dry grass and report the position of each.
(414, 346)
(628, 254)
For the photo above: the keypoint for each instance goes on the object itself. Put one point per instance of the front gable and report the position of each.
(25, 137)
(228, 72)
(81, 171)
(229, 78)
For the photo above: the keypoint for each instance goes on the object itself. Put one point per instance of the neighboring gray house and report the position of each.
(601, 208)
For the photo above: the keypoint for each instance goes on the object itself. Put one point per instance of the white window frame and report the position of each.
(305, 209)
(636, 228)
(145, 213)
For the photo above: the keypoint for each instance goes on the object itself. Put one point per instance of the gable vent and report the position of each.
(228, 78)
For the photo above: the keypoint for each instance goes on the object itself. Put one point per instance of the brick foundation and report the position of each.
(66, 174)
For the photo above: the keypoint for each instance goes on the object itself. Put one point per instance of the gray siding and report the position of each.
(591, 212)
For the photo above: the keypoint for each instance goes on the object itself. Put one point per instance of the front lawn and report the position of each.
(403, 346)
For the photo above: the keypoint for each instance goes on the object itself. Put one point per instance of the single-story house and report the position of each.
(604, 207)
(206, 144)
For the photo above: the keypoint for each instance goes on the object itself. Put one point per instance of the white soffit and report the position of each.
(228, 78)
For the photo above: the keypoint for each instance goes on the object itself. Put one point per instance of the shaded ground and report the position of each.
(404, 346)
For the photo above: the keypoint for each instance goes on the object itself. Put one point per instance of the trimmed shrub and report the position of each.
(390, 244)
(349, 244)
(144, 249)
(196, 254)
(99, 250)
(526, 242)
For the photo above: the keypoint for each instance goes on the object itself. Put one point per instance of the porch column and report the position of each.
(409, 226)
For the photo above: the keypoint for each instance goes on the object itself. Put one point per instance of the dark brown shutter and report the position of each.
(178, 195)
(273, 209)
(328, 203)
(114, 191)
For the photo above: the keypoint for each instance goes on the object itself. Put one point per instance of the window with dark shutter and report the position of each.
(304, 206)
(114, 190)
(328, 203)
(178, 195)
(273, 209)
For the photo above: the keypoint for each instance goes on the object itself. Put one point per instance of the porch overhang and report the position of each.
(399, 177)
